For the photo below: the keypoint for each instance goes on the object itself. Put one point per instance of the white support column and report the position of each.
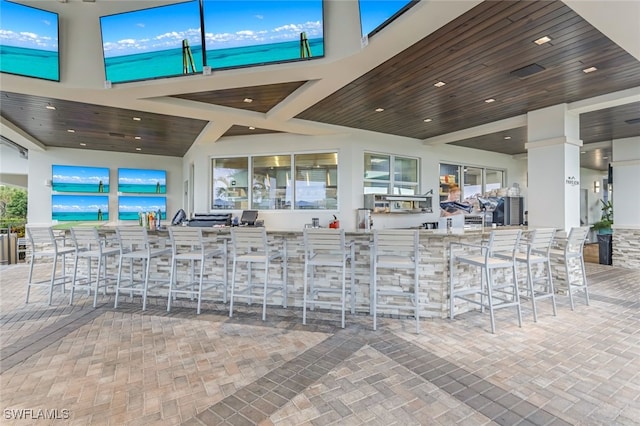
(554, 168)
(626, 202)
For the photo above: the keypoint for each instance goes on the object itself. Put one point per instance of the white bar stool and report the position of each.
(537, 253)
(44, 244)
(250, 245)
(395, 249)
(327, 247)
(88, 245)
(572, 258)
(135, 245)
(498, 253)
(189, 245)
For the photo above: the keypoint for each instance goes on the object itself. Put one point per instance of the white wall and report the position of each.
(350, 147)
(626, 177)
(40, 173)
(13, 167)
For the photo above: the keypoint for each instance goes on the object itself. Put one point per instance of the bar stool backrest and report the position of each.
(325, 240)
(504, 242)
(183, 237)
(133, 238)
(575, 241)
(86, 238)
(540, 240)
(396, 242)
(249, 240)
(42, 238)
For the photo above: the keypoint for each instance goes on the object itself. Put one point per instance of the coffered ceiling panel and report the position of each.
(254, 98)
(81, 125)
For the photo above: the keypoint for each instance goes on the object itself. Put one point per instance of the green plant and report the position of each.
(606, 219)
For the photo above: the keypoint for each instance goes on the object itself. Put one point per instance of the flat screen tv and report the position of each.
(29, 41)
(130, 207)
(377, 14)
(79, 208)
(79, 179)
(164, 41)
(246, 33)
(142, 181)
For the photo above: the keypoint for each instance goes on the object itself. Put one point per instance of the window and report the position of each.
(390, 174)
(316, 181)
(271, 188)
(494, 179)
(230, 178)
(278, 182)
(473, 181)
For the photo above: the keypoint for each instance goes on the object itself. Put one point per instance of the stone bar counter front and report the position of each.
(433, 271)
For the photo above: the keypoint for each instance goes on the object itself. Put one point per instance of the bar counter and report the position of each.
(433, 271)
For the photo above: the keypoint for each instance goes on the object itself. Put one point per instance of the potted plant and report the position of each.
(603, 227)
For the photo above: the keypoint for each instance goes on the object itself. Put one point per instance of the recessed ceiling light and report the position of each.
(427, 120)
(507, 137)
(83, 144)
(379, 109)
(251, 128)
(583, 152)
(489, 100)
(50, 107)
(137, 137)
(590, 69)
(137, 118)
(71, 131)
(605, 158)
(440, 84)
(138, 149)
(247, 100)
(542, 40)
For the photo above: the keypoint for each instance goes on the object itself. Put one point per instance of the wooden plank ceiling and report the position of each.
(475, 56)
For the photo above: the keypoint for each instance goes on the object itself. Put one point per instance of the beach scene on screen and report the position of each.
(79, 179)
(258, 32)
(142, 181)
(79, 208)
(29, 41)
(130, 207)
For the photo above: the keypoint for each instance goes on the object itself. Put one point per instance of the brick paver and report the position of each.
(125, 366)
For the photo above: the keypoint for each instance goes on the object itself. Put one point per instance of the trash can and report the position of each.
(8, 249)
(605, 247)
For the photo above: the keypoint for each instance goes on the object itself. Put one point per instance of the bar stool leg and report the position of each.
(566, 268)
(584, 280)
(200, 287)
(344, 289)
(73, 282)
(532, 292)
(416, 295)
(489, 288)
(304, 293)
(264, 291)
(516, 295)
(233, 286)
(33, 258)
(552, 290)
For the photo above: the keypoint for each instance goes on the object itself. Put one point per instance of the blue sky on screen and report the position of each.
(142, 177)
(141, 204)
(79, 174)
(23, 26)
(228, 23)
(150, 30)
(235, 24)
(79, 203)
(375, 12)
